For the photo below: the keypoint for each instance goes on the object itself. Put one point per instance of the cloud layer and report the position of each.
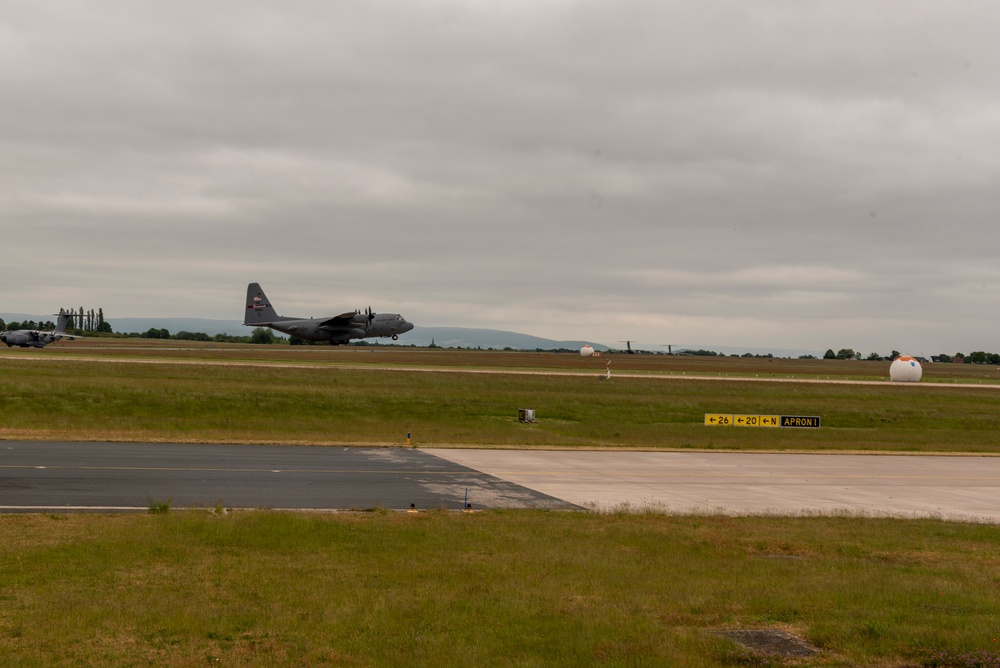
(770, 174)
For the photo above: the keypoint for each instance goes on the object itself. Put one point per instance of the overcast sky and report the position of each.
(785, 174)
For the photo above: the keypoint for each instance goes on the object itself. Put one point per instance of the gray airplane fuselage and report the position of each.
(336, 329)
(313, 329)
(28, 338)
(34, 338)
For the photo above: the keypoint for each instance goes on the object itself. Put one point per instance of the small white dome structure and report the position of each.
(905, 369)
(587, 351)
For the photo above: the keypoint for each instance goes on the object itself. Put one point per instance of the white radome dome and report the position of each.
(587, 351)
(905, 369)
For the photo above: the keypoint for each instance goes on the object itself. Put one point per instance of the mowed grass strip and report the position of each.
(493, 588)
(122, 401)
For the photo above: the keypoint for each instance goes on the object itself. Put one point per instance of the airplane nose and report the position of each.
(407, 325)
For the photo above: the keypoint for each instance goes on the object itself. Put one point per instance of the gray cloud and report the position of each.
(774, 173)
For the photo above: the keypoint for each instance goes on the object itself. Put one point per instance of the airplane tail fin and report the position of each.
(259, 311)
(62, 322)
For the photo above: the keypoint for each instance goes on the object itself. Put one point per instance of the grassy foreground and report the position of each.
(497, 588)
(326, 396)
(518, 588)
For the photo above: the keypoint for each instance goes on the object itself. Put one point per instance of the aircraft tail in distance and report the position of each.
(64, 321)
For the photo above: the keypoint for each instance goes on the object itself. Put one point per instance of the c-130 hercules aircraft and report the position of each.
(338, 329)
(34, 338)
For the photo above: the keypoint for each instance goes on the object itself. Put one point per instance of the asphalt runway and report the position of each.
(911, 486)
(108, 477)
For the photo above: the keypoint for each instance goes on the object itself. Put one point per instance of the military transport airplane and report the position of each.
(336, 329)
(33, 338)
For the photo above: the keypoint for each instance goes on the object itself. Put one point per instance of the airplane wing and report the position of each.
(342, 321)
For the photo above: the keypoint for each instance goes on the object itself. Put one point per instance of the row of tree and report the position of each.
(89, 321)
(259, 335)
(849, 354)
(977, 357)
(27, 324)
(81, 321)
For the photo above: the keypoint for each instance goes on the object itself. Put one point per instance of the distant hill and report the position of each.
(21, 317)
(462, 337)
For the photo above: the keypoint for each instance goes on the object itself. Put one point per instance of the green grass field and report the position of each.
(504, 588)
(356, 396)
(500, 588)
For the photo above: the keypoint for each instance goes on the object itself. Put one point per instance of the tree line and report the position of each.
(850, 354)
(259, 335)
(81, 321)
(27, 324)
(89, 321)
(975, 357)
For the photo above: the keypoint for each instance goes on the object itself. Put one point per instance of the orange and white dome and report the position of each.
(905, 369)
